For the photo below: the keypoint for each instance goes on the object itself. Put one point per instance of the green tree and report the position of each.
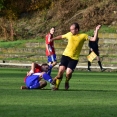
(1, 4)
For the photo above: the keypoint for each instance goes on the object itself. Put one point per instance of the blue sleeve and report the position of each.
(47, 77)
(50, 69)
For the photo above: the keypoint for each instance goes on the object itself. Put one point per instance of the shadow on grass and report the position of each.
(70, 90)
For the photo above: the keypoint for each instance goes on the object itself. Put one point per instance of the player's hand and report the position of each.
(30, 73)
(51, 40)
(91, 49)
(98, 27)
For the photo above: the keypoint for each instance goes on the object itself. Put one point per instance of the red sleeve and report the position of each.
(37, 68)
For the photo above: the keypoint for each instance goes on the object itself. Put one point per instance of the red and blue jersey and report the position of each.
(36, 70)
(49, 45)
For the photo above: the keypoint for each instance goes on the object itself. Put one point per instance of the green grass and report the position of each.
(91, 94)
(18, 43)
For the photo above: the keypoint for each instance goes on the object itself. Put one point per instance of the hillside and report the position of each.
(61, 14)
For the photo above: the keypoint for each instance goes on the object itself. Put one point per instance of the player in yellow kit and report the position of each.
(71, 53)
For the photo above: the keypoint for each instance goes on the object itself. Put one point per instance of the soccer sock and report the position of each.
(99, 63)
(67, 80)
(58, 81)
(47, 77)
(89, 64)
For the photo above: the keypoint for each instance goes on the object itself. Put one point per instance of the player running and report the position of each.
(71, 53)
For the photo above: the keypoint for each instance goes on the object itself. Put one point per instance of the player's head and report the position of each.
(74, 28)
(45, 67)
(52, 30)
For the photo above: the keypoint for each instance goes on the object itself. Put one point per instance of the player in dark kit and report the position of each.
(93, 45)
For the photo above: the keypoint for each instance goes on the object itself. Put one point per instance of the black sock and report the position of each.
(99, 63)
(89, 64)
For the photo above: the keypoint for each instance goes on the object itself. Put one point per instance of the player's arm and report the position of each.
(31, 70)
(47, 48)
(96, 33)
(57, 38)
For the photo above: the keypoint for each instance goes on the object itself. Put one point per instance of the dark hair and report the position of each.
(76, 26)
(44, 64)
(43, 67)
(52, 27)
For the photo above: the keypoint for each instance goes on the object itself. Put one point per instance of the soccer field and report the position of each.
(91, 94)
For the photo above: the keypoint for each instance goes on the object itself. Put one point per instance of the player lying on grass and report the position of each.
(38, 75)
(35, 68)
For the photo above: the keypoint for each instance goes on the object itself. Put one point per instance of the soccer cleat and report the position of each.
(103, 69)
(53, 82)
(66, 85)
(89, 69)
(52, 85)
(23, 87)
(54, 88)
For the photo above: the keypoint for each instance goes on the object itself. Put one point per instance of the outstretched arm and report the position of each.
(96, 33)
(32, 70)
(57, 38)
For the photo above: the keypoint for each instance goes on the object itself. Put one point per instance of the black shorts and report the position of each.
(68, 62)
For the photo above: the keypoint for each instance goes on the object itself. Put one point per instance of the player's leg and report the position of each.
(59, 76)
(89, 63)
(46, 77)
(23, 87)
(52, 62)
(43, 83)
(99, 62)
(50, 65)
(68, 77)
(31, 70)
(62, 67)
(32, 82)
(70, 69)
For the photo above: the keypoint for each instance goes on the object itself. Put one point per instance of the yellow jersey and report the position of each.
(75, 44)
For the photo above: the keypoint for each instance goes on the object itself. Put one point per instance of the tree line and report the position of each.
(11, 9)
